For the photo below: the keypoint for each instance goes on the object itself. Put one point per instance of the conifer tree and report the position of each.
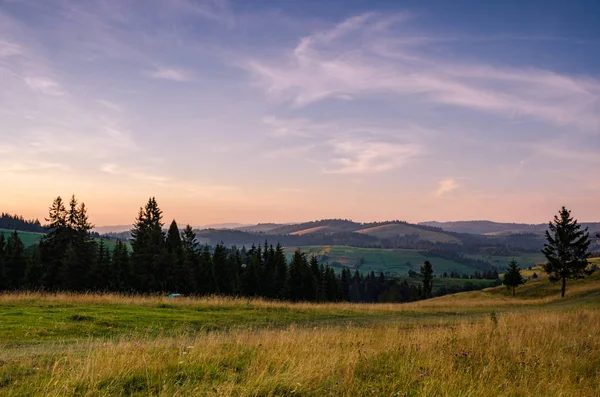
(121, 271)
(34, 272)
(512, 277)
(222, 273)
(69, 271)
(174, 266)
(427, 274)
(190, 259)
(296, 281)
(281, 272)
(566, 249)
(205, 273)
(15, 262)
(54, 243)
(148, 244)
(101, 274)
(2, 262)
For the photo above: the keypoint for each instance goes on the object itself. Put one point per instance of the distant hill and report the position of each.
(497, 228)
(403, 229)
(112, 229)
(261, 227)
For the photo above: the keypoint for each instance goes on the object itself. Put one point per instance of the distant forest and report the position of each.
(16, 222)
(68, 258)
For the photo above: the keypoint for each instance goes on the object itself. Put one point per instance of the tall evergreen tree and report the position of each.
(174, 267)
(281, 272)
(102, 278)
(2, 262)
(34, 272)
(223, 275)
(148, 244)
(427, 274)
(121, 271)
(14, 262)
(190, 259)
(566, 249)
(54, 244)
(512, 277)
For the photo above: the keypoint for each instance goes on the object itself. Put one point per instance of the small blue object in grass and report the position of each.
(174, 295)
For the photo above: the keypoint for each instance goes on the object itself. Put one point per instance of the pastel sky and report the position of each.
(281, 111)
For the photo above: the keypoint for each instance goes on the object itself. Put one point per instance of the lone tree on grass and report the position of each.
(427, 274)
(512, 277)
(566, 249)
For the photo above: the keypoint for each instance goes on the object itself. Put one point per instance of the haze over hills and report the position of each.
(494, 228)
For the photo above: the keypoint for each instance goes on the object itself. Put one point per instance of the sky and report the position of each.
(287, 111)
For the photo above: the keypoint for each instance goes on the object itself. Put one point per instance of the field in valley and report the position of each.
(394, 262)
(470, 344)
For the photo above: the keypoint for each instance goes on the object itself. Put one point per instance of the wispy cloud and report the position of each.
(172, 74)
(44, 85)
(358, 157)
(368, 55)
(446, 186)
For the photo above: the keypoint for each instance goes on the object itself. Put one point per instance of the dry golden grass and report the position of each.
(544, 354)
(533, 345)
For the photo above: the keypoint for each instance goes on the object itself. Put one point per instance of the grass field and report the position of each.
(501, 262)
(28, 238)
(469, 344)
(393, 262)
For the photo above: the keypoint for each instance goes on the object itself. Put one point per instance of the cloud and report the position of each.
(171, 74)
(358, 157)
(9, 49)
(370, 55)
(44, 85)
(446, 186)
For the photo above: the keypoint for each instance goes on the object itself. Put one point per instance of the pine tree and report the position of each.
(566, 249)
(190, 259)
(14, 262)
(427, 274)
(222, 273)
(281, 272)
(296, 283)
(121, 268)
(513, 277)
(174, 266)
(34, 272)
(2, 261)
(69, 271)
(148, 244)
(102, 278)
(54, 243)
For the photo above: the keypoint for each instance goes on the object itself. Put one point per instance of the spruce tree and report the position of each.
(54, 243)
(427, 274)
(121, 268)
(512, 277)
(34, 272)
(174, 266)
(15, 262)
(2, 261)
(566, 249)
(281, 272)
(148, 244)
(190, 259)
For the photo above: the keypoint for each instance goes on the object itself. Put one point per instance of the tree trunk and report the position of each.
(564, 287)
(513, 290)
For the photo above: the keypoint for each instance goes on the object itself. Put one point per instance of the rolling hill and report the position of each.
(497, 228)
(403, 229)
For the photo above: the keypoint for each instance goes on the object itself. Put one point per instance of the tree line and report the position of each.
(69, 258)
(17, 222)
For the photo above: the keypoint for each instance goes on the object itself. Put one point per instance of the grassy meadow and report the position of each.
(395, 262)
(470, 344)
